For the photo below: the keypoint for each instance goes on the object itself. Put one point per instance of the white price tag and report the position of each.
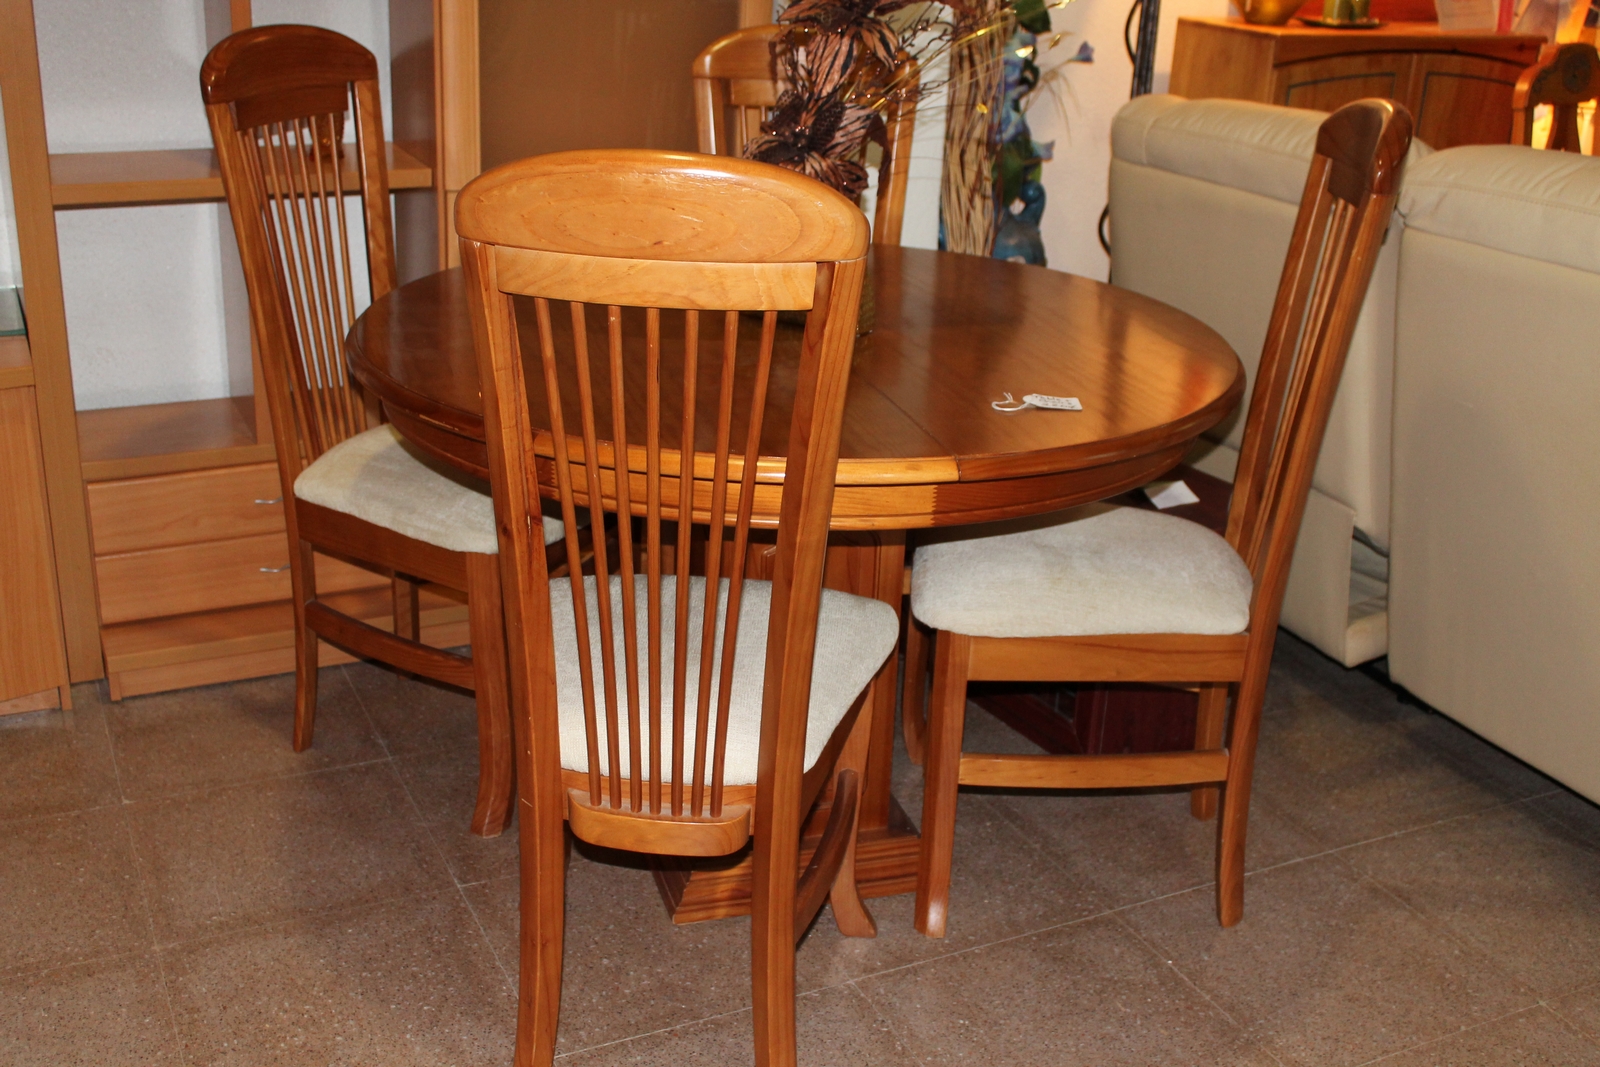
(1037, 400)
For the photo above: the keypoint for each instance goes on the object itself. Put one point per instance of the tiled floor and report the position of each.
(178, 887)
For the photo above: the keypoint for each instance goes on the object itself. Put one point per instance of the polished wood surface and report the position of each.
(734, 91)
(183, 175)
(40, 263)
(176, 652)
(1458, 86)
(203, 505)
(1566, 76)
(277, 99)
(920, 445)
(616, 399)
(1344, 212)
(32, 657)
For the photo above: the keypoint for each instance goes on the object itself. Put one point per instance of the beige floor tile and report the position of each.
(1576, 815)
(57, 761)
(1327, 968)
(1517, 886)
(69, 891)
(1088, 994)
(1002, 884)
(413, 716)
(834, 1028)
(1581, 1008)
(195, 739)
(279, 849)
(628, 969)
(1532, 1038)
(444, 786)
(407, 982)
(113, 1013)
(1342, 760)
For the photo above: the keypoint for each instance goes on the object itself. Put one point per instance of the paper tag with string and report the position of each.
(1037, 400)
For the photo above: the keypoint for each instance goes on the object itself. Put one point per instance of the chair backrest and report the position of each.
(1565, 76)
(646, 248)
(277, 99)
(735, 90)
(1344, 213)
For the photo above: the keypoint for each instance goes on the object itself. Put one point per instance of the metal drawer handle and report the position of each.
(274, 500)
(274, 570)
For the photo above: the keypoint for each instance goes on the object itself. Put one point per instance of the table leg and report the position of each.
(886, 850)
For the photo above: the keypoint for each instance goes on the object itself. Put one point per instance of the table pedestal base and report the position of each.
(695, 890)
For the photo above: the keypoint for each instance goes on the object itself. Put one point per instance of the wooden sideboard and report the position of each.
(1457, 85)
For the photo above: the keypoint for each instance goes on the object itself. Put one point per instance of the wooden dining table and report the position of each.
(921, 444)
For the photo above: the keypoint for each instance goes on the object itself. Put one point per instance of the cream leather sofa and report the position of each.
(1203, 199)
(1495, 592)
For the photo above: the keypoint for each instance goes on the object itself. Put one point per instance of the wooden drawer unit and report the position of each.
(1457, 86)
(182, 579)
(180, 509)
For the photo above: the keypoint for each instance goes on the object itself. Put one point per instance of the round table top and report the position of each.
(920, 445)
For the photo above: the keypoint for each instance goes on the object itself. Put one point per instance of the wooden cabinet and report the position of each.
(33, 662)
(1457, 85)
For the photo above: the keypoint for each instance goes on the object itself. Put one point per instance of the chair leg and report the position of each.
(947, 712)
(1236, 792)
(772, 938)
(496, 773)
(914, 694)
(303, 582)
(849, 913)
(407, 610)
(542, 838)
(1210, 717)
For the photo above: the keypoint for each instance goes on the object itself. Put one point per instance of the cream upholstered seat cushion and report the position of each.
(854, 637)
(379, 477)
(1099, 569)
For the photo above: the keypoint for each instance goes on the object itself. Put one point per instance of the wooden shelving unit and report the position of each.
(200, 453)
(186, 175)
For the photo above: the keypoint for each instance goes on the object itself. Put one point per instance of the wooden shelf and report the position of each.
(135, 442)
(250, 642)
(183, 175)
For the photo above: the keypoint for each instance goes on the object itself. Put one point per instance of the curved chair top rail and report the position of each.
(735, 72)
(277, 98)
(1565, 76)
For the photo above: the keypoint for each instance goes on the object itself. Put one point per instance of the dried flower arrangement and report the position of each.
(840, 63)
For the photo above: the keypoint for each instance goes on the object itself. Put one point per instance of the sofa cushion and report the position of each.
(1543, 205)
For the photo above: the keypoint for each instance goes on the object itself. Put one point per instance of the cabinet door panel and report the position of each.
(1464, 100)
(1329, 84)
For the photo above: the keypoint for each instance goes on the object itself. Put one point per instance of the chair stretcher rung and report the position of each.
(1094, 772)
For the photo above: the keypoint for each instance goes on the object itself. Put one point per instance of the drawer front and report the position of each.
(212, 575)
(180, 509)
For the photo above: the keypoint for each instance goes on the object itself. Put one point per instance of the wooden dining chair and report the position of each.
(734, 90)
(1119, 594)
(277, 99)
(640, 726)
(1566, 76)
